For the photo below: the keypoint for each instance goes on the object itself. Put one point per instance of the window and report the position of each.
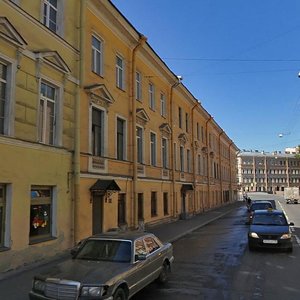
(166, 203)
(151, 96)
(153, 149)
(97, 56)
(198, 132)
(139, 143)
(50, 14)
(119, 72)
(188, 160)
(140, 206)
(164, 146)
(175, 156)
(199, 164)
(186, 122)
(121, 139)
(121, 210)
(163, 104)
(153, 204)
(3, 96)
(179, 117)
(138, 82)
(2, 214)
(40, 213)
(97, 132)
(151, 244)
(181, 159)
(202, 134)
(47, 113)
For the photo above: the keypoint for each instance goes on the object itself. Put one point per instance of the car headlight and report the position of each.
(286, 236)
(253, 235)
(39, 285)
(93, 291)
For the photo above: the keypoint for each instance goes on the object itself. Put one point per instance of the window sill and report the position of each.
(2, 249)
(120, 88)
(42, 240)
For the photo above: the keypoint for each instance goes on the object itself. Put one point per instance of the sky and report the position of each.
(240, 58)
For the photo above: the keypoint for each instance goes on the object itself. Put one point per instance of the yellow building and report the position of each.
(149, 152)
(96, 132)
(38, 85)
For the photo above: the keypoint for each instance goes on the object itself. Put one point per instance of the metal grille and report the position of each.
(269, 237)
(62, 290)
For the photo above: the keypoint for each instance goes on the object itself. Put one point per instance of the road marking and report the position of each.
(292, 228)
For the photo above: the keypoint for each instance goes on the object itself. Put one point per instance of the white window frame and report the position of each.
(151, 92)
(124, 137)
(188, 160)
(7, 215)
(120, 72)
(57, 122)
(9, 107)
(103, 150)
(164, 153)
(138, 86)
(140, 144)
(163, 104)
(181, 158)
(59, 22)
(153, 147)
(95, 54)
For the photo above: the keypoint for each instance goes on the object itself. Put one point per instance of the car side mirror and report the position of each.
(140, 257)
(291, 224)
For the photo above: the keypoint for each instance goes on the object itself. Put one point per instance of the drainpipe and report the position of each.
(76, 167)
(220, 166)
(207, 167)
(179, 78)
(142, 40)
(194, 156)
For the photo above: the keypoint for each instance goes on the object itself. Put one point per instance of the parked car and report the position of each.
(255, 205)
(273, 202)
(270, 229)
(113, 266)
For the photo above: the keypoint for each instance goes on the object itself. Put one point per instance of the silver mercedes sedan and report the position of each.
(112, 266)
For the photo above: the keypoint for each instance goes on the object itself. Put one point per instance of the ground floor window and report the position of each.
(166, 203)
(121, 210)
(140, 206)
(2, 214)
(40, 213)
(153, 204)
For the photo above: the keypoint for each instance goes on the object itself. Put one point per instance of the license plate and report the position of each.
(270, 241)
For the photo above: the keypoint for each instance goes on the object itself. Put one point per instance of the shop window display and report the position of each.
(40, 214)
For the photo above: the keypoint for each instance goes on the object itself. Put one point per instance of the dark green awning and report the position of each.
(104, 185)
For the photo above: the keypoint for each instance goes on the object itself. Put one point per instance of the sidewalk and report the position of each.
(173, 231)
(169, 232)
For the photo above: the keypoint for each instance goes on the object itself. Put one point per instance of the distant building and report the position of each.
(267, 172)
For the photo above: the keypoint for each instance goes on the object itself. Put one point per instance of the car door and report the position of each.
(138, 277)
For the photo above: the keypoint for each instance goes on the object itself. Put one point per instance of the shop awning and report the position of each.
(187, 187)
(104, 185)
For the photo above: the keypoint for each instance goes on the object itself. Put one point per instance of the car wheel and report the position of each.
(120, 294)
(164, 274)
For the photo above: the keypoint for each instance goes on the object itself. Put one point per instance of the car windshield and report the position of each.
(269, 219)
(106, 250)
(257, 206)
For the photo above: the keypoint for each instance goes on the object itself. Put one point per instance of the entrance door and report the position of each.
(97, 213)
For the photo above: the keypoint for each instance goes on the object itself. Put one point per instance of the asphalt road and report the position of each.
(214, 263)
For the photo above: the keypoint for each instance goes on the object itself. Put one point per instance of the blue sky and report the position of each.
(239, 58)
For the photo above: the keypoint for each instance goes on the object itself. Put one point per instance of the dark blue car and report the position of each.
(270, 229)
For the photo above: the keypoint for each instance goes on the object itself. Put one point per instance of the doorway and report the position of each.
(97, 214)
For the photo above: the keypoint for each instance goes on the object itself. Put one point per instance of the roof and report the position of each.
(124, 235)
(272, 211)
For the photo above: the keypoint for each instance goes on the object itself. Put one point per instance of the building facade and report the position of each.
(97, 133)
(38, 83)
(268, 172)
